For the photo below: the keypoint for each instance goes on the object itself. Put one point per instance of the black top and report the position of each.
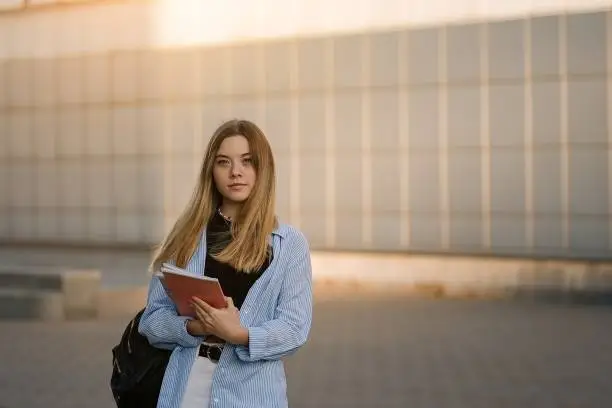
(234, 284)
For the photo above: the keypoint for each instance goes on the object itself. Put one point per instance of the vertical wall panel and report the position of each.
(464, 116)
(384, 59)
(507, 181)
(385, 183)
(424, 114)
(506, 115)
(423, 56)
(465, 182)
(547, 192)
(46, 82)
(311, 124)
(546, 113)
(348, 61)
(384, 120)
(463, 53)
(586, 43)
(311, 69)
(588, 181)
(424, 182)
(587, 109)
(312, 185)
(506, 50)
(545, 46)
(278, 70)
(466, 233)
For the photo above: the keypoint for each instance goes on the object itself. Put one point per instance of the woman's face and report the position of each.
(233, 171)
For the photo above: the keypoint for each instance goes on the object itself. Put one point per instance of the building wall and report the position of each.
(483, 131)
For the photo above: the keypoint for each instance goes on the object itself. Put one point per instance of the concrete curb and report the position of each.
(80, 289)
(467, 277)
(330, 290)
(27, 305)
(49, 294)
(121, 302)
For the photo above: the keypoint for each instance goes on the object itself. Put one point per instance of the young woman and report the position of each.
(231, 357)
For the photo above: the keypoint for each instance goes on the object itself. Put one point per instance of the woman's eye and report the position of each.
(223, 162)
(247, 161)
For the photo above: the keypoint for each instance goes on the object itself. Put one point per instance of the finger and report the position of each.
(205, 306)
(202, 316)
(208, 325)
(197, 308)
(209, 329)
(230, 302)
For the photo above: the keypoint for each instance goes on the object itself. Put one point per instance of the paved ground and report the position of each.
(385, 352)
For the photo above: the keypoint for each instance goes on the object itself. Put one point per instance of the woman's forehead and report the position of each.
(234, 146)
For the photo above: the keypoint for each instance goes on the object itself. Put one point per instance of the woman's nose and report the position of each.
(236, 169)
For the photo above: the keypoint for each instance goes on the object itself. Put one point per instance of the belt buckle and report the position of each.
(215, 347)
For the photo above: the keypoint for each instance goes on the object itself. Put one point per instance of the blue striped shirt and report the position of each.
(277, 313)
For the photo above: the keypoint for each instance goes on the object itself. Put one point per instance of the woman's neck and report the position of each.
(229, 210)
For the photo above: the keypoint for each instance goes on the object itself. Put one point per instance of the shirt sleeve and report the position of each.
(161, 324)
(289, 329)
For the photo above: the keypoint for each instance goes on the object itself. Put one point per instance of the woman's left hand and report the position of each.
(223, 323)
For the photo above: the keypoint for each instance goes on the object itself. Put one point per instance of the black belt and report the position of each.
(211, 351)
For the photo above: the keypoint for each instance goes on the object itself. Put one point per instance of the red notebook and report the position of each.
(182, 286)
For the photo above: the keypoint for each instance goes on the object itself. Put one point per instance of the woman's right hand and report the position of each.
(196, 328)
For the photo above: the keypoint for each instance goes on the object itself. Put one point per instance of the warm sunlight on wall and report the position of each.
(135, 24)
(212, 21)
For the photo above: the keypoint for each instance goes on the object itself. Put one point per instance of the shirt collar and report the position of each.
(281, 230)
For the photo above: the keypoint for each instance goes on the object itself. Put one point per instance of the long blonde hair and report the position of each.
(251, 228)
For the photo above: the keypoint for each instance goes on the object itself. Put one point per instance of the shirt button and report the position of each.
(216, 400)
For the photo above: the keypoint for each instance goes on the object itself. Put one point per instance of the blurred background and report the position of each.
(447, 148)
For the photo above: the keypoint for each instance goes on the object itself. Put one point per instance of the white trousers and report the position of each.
(197, 393)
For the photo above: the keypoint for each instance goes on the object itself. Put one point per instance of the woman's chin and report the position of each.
(236, 197)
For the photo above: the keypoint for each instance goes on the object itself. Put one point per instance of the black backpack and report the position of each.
(138, 369)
